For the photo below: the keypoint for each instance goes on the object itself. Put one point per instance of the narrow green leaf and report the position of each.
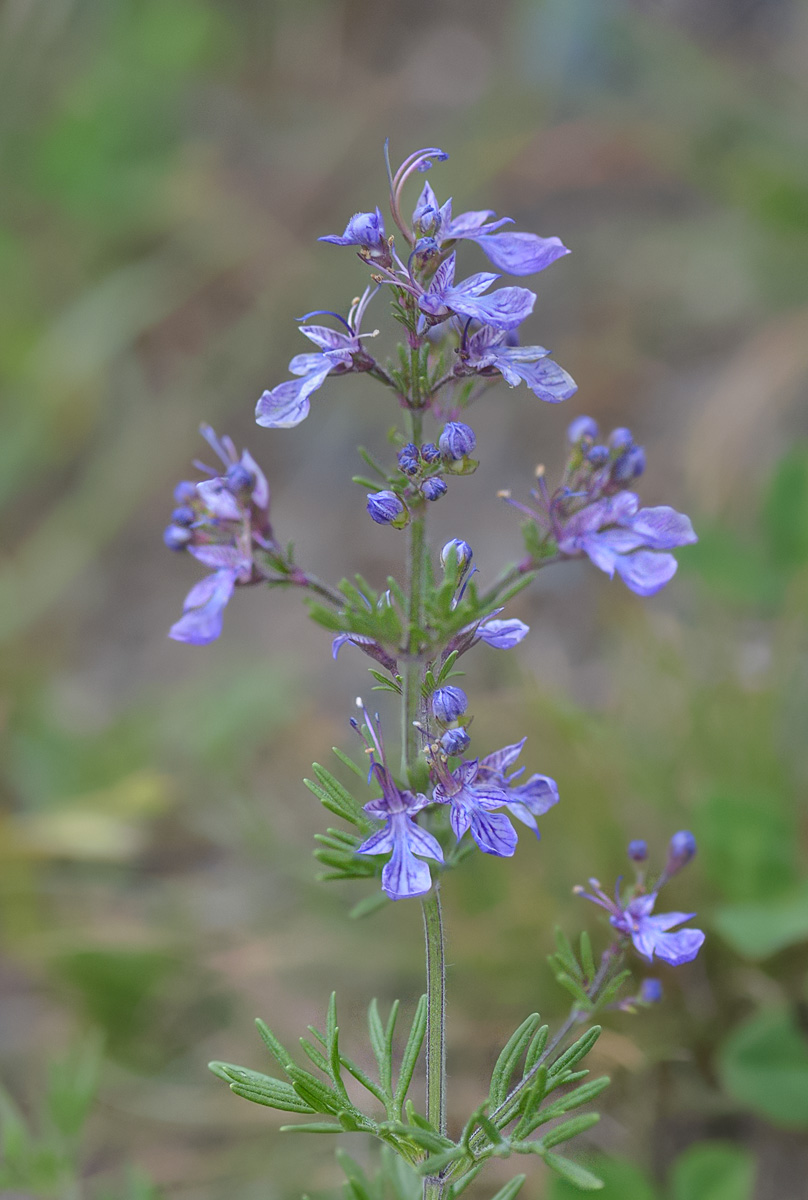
(340, 794)
(314, 1127)
(576, 1051)
(490, 1130)
(436, 1162)
(349, 763)
(280, 1054)
(319, 1095)
(314, 1055)
(575, 989)
(509, 1057)
(364, 482)
(369, 905)
(587, 959)
(530, 1102)
(569, 1129)
(379, 1045)
(411, 1051)
(261, 1089)
(460, 1185)
(510, 1189)
(360, 1076)
(384, 682)
(573, 1172)
(536, 1048)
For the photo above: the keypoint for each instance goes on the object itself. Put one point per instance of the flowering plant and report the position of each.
(442, 802)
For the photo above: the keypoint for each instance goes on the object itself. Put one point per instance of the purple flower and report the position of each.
(650, 934)
(403, 875)
(505, 309)
(365, 230)
(462, 551)
(472, 803)
(204, 605)
(514, 253)
(224, 518)
(525, 801)
(487, 352)
(454, 741)
(638, 850)
(502, 634)
(617, 535)
(288, 404)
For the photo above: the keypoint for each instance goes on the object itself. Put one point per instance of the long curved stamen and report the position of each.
(223, 447)
(419, 161)
(359, 306)
(326, 312)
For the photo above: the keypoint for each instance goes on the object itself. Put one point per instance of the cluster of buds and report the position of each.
(594, 514)
(424, 469)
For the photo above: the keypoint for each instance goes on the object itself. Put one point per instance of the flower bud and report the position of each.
(629, 465)
(185, 492)
(434, 488)
(582, 427)
(620, 438)
(638, 850)
(410, 450)
(650, 991)
(239, 479)
(456, 440)
(176, 537)
(387, 509)
(409, 465)
(681, 849)
(454, 741)
(430, 452)
(463, 554)
(449, 703)
(183, 515)
(598, 456)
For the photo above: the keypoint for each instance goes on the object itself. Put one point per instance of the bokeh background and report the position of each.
(167, 165)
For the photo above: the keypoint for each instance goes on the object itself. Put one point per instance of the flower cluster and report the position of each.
(633, 917)
(594, 513)
(483, 323)
(473, 790)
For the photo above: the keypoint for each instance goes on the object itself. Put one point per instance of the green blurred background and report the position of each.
(167, 165)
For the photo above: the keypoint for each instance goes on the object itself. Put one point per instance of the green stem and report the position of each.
(435, 1026)
(411, 667)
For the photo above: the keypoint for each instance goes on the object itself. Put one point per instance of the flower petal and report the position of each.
(520, 253)
(663, 528)
(502, 635)
(681, 947)
(493, 833)
(645, 572)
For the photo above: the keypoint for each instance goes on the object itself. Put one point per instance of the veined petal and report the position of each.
(500, 760)
(327, 339)
(520, 253)
(506, 308)
(468, 224)
(646, 571)
(663, 528)
(460, 815)
(539, 794)
(475, 285)
(218, 500)
(304, 364)
(545, 378)
(288, 404)
(421, 841)
(221, 556)
(260, 492)
(405, 875)
(678, 948)
(204, 606)
(502, 635)
(380, 842)
(493, 833)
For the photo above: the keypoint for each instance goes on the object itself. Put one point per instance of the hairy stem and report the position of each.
(435, 1026)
